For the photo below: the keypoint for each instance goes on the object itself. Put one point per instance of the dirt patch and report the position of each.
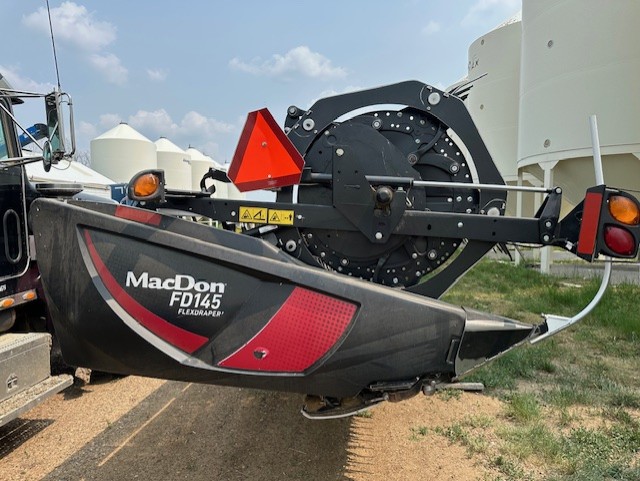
(149, 429)
(71, 420)
(400, 442)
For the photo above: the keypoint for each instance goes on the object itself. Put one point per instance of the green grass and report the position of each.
(526, 362)
(580, 453)
(523, 407)
(418, 432)
(530, 440)
(592, 368)
(518, 289)
(463, 434)
(448, 394)
(578, 360)
(507, 467)
(367, 414)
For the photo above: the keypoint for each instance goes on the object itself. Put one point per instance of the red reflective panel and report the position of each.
(589, 226)
(138, 215)
(307, 326)
(265, 157)
(619, 240)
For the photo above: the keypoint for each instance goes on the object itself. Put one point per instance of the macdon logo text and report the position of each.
(180, 282)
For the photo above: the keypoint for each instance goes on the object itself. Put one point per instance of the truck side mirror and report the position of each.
(47, 156)
(56, 126)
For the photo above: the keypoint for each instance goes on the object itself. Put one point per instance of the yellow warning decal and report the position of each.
(282, 217)
(257, 215)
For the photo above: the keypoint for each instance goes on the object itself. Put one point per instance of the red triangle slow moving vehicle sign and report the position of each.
(265, 158)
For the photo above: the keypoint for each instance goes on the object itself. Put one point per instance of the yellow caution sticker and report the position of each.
(262, 215)
(256, 215)
(281, 217)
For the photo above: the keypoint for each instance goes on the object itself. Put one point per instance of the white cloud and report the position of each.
(299, 60)
(196, 122)
(111, 66)
(211, 149)
(482, 9)
(431, 28)
(333, 92)
(159, 123)
(20, 82)
(157, 74)
(108, 121)
(72, 23)
(86, 129)
(193, 129)
(204, 133)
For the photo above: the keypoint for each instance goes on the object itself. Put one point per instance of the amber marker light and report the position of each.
(6, 302)
(29, 296)
(146, 185)
(623, 209)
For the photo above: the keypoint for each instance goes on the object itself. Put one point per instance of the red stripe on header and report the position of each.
(174, 335)
(138, 215)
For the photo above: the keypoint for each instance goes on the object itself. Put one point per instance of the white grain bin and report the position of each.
(580, 57)
(232, 191)
(200, 165)
(122, 152)
(493, 101)
(176, 164)
(71, 172)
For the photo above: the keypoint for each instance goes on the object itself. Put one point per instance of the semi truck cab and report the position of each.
(25, 334)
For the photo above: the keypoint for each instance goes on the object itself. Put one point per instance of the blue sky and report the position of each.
(191, 70)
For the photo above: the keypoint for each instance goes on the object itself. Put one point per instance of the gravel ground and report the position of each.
(145, 429)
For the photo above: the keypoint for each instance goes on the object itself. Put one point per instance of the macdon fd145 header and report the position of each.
(384, 198)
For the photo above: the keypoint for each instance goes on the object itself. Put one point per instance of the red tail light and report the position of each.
(610, 224)
(619, 240)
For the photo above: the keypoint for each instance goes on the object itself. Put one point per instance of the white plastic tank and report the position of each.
(122, 152)
(176, 164)
(580, 57)
(493, 99)
(200, 165)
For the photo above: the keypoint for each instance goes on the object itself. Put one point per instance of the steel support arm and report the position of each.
(434, 224)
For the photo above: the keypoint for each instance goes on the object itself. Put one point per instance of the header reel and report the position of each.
(364, 155)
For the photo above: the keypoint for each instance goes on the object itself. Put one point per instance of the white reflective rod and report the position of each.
(558, 323)
(464, 185)
(595, 143)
